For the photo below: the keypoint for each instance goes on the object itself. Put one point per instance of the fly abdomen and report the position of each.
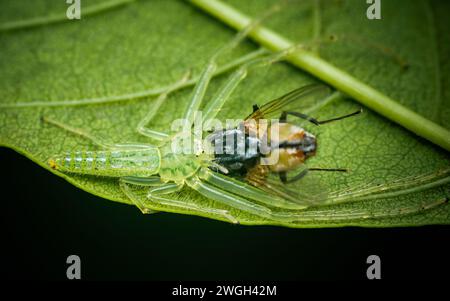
(115, 163)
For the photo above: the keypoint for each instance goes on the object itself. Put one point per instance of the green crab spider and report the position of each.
(163, 172)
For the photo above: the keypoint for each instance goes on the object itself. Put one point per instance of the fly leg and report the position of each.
(299, 176)
(283, 117)
(157, 198)
(284, 179)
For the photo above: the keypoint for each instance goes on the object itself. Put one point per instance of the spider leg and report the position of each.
(246, 190)
(158, 198)
(99, 141)
(141, 127)
(295, 216)
(150, 181)
(222, 196)
(211, 67)
(158, 135)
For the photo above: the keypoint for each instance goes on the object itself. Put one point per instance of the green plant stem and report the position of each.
(332, 75)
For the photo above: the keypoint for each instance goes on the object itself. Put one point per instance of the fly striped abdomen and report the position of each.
(115, 163)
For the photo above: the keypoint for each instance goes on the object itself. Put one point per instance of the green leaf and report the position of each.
(115, 54)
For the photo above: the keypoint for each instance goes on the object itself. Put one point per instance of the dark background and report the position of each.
(45, 219)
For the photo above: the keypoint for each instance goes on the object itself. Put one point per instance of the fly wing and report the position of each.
(307, 191)
(297, 100)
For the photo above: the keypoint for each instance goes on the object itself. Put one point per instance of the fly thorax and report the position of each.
(234, 149)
